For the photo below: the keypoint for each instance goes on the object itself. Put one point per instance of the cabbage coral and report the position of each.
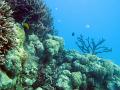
(6, 30)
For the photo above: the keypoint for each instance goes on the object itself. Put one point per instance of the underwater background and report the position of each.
(59, 45)
(94, 18)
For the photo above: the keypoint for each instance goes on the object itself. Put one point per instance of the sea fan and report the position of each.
(91, 46)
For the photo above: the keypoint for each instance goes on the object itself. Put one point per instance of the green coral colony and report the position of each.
(35, 59)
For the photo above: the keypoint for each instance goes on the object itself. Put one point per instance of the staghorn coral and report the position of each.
(7, 32)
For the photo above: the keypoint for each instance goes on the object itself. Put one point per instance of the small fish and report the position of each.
(73, 34)
(27, 31)
(26, 26)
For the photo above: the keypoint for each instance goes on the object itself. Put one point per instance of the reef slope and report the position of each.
(39, 61)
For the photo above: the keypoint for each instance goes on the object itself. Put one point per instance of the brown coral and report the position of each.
(6, 30)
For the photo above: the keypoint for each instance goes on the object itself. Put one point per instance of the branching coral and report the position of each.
(6, 30)
(91, 46)
(46, 64)
(35, 13)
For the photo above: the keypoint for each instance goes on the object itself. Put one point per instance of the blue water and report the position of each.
(93, 18)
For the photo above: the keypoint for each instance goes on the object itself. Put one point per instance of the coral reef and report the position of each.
(91, 46)
(7, 32)
(53, 44)
(31, 63)
(93, 74)
(35, 13)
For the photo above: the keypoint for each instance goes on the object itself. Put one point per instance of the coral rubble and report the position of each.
(31, 63)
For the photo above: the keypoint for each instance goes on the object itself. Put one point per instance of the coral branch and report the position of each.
(35, 13)
(91, 46)
(7, 32)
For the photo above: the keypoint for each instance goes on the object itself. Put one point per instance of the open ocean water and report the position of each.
(92, 18)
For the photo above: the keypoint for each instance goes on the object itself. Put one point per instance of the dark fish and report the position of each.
(73, 34)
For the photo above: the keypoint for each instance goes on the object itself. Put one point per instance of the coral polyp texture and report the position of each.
(7, 32)
(35, 13)
(35, 59)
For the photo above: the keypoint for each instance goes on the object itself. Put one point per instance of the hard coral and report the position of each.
(6, 30)
(93, 74)
(35, 13)
(53, 44)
